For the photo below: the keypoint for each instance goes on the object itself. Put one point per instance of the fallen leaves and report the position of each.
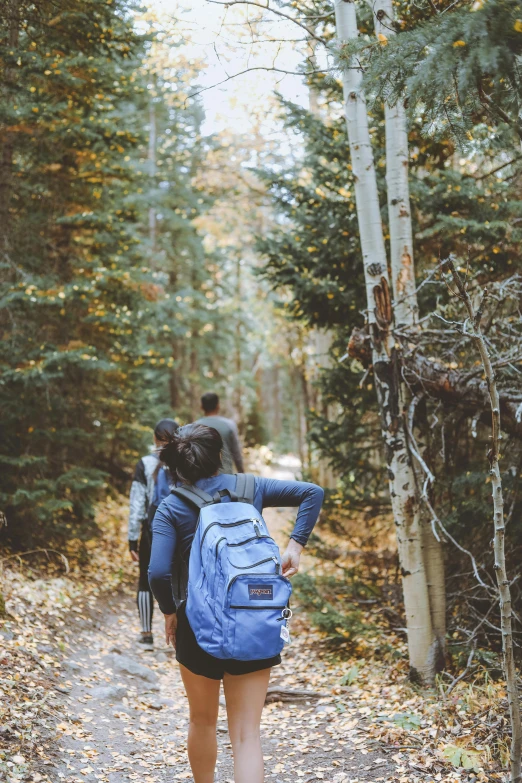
(356, 719)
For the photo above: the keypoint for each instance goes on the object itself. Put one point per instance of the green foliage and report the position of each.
(467, 758)
(182, 345)
(314, 254)
(343, 624)
(104, 329)
(406, 720)
(70, 299)
(468, 53)
(255, 432)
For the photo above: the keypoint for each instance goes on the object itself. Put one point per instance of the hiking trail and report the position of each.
(126, 714)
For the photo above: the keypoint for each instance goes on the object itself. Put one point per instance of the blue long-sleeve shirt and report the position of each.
(174, 524)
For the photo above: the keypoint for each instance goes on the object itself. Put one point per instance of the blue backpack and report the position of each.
(237, 598)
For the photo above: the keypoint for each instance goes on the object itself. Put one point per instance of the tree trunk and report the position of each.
(405, 306)
(401, 235)
(503, 583)
(174, 390)
(152, 168)
(421, 641)
(12, 16)
(433, 555)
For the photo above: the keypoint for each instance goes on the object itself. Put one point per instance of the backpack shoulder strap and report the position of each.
(193, 495)
(245, 487)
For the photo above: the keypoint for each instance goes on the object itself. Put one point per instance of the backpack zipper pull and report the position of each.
(257, 529)
(277, 565)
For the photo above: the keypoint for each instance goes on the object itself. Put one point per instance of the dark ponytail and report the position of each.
(193, 452)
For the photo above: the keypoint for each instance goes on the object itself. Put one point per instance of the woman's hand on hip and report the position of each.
(171, 623)
(291, 558)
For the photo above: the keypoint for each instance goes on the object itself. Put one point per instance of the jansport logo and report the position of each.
(260, 592)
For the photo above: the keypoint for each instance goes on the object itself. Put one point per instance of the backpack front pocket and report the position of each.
(254, 613)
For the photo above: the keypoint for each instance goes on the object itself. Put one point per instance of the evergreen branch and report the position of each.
(487, 101)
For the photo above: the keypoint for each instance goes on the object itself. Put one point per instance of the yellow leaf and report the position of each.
(518, 26)
(459, 43)
(382, 39)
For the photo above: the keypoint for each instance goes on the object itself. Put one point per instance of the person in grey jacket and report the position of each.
(141, 510)
(231, 453)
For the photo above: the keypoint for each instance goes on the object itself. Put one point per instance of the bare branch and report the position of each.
(504, 591)
(249, 70)
(309, 30)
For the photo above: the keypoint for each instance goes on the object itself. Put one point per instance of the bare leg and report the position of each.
(245, 695)
(203, 696)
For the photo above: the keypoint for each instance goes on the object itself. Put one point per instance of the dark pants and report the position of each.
(144, 599)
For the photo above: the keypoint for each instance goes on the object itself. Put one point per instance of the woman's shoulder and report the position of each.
(172, 507)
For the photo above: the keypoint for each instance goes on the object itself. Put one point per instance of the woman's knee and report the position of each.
(241, 734)
(203, 719)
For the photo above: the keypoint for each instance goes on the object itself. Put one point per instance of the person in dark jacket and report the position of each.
(141, 512)
(193, 456)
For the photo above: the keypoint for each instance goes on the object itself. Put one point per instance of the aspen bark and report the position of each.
(433, 555)
(390, 388)
(399, 210)
(405, 306)
(504, 591)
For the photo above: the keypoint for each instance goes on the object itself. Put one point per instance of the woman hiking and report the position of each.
(228, 583)
(147, 490)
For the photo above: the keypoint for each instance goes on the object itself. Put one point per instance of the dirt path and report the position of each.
(125, 712)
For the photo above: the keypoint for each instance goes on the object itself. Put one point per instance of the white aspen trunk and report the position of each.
(421, 643)
(401, 235)
(433, 555)
(504, 591)
(405, 306)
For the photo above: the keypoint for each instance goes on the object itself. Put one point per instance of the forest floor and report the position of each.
(82, 703)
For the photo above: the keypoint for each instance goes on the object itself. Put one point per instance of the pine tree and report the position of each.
(184, 342)
(316, 257)
(71, 301)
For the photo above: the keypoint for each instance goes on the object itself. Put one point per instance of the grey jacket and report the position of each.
(142, 491)
(231, 445)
